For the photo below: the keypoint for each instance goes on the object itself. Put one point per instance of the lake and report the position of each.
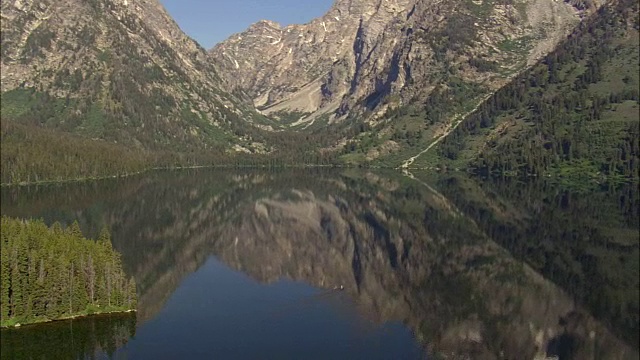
(350, 264)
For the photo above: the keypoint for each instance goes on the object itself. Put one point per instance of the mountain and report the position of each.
(574, 114)
(412, 83)
(395, 80)
(115, 70)
(372, 56)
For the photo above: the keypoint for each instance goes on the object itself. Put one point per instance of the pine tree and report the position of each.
(50, 272)
(5, 268)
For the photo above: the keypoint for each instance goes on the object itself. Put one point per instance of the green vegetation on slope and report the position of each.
(411, 127)
(573, 114)
(54, 273)
(33, 154)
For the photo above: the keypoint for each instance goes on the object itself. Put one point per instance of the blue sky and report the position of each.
(211, 21)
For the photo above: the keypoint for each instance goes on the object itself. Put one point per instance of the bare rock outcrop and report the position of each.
(360, 52)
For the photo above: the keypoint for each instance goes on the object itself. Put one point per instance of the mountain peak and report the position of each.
(266, 24)
(360, 51)
(364, 8)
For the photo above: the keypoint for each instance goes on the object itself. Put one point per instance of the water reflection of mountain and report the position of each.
(402, 251)
(585, 241)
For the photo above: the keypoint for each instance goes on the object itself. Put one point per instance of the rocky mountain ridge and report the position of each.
(375, 82)
(371, 56)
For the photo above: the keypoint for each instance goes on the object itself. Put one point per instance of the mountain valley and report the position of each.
(458, 175)
(400, 83)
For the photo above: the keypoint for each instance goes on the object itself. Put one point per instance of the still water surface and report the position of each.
(244, 265)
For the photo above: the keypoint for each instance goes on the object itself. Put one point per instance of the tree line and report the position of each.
(50, 273)
(33, 154)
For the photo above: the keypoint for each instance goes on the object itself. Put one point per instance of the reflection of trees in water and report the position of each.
(586, 242)
(69, 339)
(406, 254)
(402, 251)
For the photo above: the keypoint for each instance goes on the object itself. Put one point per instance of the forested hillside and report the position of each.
(52, 273)
(574, 113)
(33, 154)
(121, 89)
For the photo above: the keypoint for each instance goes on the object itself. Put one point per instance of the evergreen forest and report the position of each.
(53, 273)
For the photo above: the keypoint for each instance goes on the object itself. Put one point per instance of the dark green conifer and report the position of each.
(47, 272)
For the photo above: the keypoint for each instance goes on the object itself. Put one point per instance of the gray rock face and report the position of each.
(395, 270)
(155, 87)
(360, 52)
(307, 66)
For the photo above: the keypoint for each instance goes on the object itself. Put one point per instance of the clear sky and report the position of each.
(211, 21)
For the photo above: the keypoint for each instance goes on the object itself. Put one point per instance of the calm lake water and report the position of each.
(245, 265)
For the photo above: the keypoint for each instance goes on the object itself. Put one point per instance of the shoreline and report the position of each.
(549, 176)
(70, 317)
(67, 181)
(105, 177)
